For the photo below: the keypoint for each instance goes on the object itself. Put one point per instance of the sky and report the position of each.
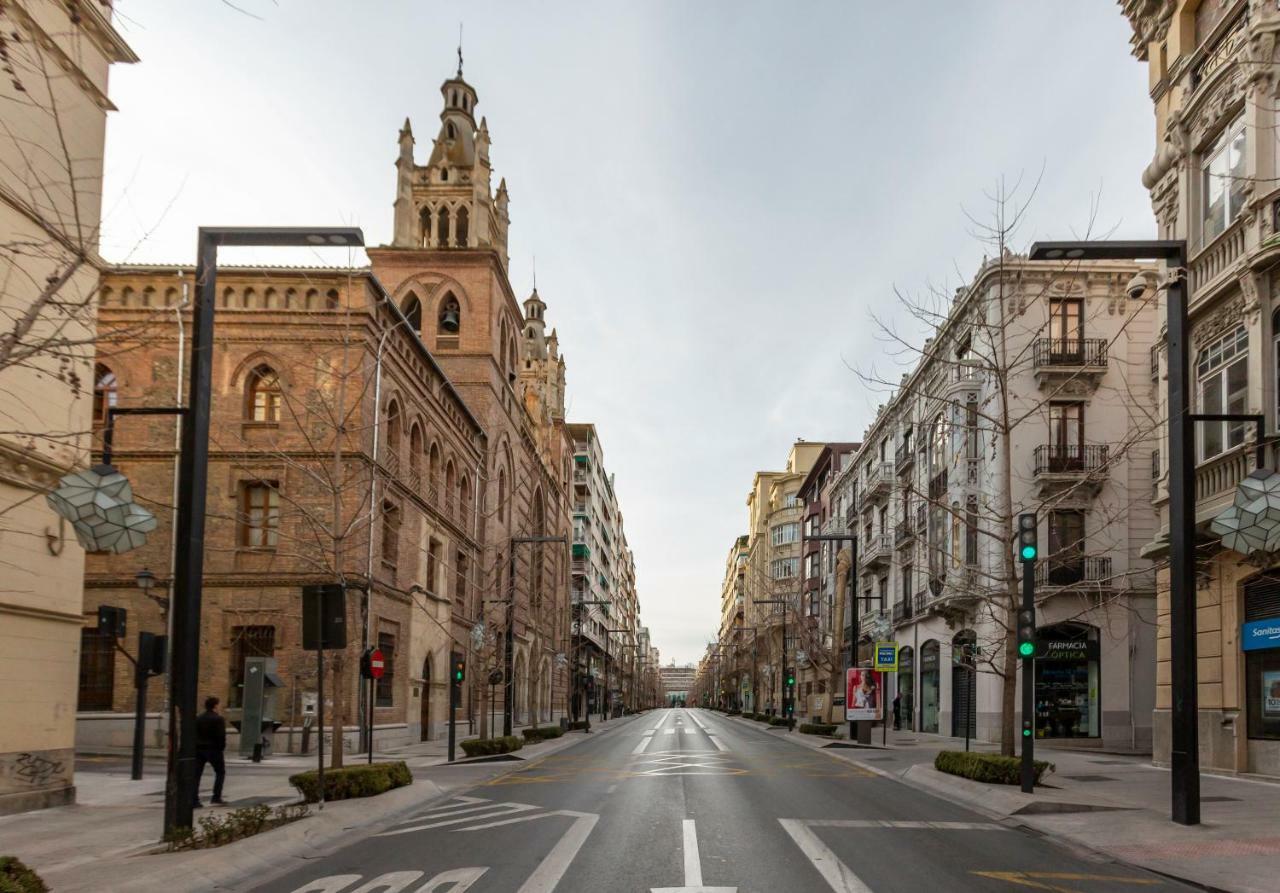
(719, 194)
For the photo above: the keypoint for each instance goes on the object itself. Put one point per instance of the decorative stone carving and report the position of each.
(1225, 317)
(1149, 20)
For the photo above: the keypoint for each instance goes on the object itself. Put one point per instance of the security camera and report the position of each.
(1137, 286)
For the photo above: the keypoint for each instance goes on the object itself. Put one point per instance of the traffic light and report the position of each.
(791, 677)
(1027, 632)
(1028, 549)
(459, 668)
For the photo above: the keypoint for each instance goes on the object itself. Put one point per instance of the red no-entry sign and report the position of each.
(376, 664)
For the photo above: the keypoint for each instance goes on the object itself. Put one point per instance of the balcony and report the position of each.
(904, 534)
(1215, 56)
(1076, 467)
(904, 458)
(1059, 360)
(964, 377)
(877, 551)
(879, 482)
(902, 611)
(1075, 570)
(919, 601)
(1216, 262)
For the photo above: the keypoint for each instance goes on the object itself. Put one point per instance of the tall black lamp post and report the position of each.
(508, 651)
(1185, 750)
(193, 477)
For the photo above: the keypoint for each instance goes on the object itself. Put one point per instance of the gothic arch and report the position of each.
(433, 472)
(442, 227)
(520, 684)
(250, 362)
(449, 315)
(411, 307)
(461, 222)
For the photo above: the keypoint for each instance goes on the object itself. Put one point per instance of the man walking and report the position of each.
(211, 741)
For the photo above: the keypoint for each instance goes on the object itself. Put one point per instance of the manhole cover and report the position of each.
(1089, 777)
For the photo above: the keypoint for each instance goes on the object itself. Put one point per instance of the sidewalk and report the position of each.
(104, 841)
(1113, 804)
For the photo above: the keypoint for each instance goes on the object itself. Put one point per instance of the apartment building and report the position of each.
(606, 608)
(1214, 180)
(1034, 395)
(57, 57)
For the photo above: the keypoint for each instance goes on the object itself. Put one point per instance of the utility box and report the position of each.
(258, 707)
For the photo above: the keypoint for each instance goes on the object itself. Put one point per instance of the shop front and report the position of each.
(1068, 682)
(1260, 642)
(906, 687)
(929, 686)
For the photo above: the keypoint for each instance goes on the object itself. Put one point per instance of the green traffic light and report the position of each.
(1028, 553)
(1026, 733)
(1026, 649)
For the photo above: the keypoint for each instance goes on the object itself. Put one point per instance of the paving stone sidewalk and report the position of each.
(104, 841)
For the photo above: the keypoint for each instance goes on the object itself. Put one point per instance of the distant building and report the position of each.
(677, 681)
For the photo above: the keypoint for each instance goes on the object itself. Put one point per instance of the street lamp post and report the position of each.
(193, 479)
(1185, 744)
(508, 649)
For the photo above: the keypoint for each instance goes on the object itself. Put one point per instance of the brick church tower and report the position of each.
(446, 268)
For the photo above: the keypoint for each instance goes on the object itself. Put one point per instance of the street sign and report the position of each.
(377, 666)
(886, 657)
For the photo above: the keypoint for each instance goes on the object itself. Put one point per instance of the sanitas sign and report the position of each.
(1260, 634)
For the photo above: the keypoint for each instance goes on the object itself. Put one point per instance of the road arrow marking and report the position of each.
(692, 867)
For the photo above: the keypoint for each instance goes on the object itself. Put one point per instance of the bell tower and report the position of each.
(448, 203)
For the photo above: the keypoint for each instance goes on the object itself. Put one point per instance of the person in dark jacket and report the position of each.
(211, 741)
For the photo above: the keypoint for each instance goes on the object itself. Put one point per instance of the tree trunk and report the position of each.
(339, 708)
(844, 558)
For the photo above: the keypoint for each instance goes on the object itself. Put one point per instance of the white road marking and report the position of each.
(549, 871)
(334, 883)
(391, 882)
(458, 880)
(692, 864)
(449, 812)
(670, 731)
(716, 741)
(690, 731)
(692, 867)
(501, 809)
(644, 742)
(838, 875)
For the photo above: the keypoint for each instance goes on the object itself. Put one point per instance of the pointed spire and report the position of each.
(459, 50)
(407, 129)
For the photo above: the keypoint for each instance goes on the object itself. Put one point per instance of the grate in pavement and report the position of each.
(1089, 777)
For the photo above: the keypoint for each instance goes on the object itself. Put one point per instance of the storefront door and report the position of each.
(1260, 640)
(906, 687)
(929, 686)
(1067, 682)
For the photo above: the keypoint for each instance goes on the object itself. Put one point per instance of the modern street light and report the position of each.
(1185, 749)
(193, 479)
(508, 645)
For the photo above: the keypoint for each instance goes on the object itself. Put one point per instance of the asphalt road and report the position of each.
(688, 800)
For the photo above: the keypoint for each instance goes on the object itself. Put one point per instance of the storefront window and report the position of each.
(1260, 640)
(1067, 682)
(929, 686)
(906, 686)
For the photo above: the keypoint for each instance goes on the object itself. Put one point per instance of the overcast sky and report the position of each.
(718, 193)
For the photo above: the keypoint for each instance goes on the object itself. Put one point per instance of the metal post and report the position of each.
(140, 677)
(320, 698)
(193, 479)
(508, 694)
(372, 688)
(1028, 688)
(604, 709)
(1184, 712)
(455, 692)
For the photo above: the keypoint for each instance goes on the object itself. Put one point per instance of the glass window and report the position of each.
(1223, 176)
(264, 395)
(390, 532)
(259, 515)
(104, 392)
(782, 534)
(97, 669)
(1222, 374)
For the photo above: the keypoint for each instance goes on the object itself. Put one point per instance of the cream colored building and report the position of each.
(1215, 182)
(51, 147)
(935, 508)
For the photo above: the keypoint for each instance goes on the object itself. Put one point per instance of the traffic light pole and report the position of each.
(1028, 686)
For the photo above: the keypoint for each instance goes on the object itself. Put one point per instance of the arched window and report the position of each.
(444, 175)
(228, 297)
(331, 299)
(460, 222)
(450, 486)
(464, 501)
(413, 312)
(539, 516)
(391, 454)
(450, 317)
(171, 297)
(433, 474)
(291, 299)
(104, 392)
(313, 299)
(449, 131)
(263, 395)
(390, 532)
(415, 456)
(442, 226)
(106, 296)
(148, 296)
(502, 495)
(250, 299)
(271, 299)
(424, 220)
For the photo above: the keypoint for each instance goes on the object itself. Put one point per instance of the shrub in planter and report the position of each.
(577, 726)
(18, 878)
(782, 721)
(542, 733)
(989, 768)
(748, 716)
(817, 728)
(487, 747)
(352, 781)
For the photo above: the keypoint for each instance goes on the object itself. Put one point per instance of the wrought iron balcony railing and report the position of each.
(1070, 352)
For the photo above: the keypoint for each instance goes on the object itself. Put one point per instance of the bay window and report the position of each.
(1222, 381)
(1223, 177)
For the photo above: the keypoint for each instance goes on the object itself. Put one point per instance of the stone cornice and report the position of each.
(27, 468)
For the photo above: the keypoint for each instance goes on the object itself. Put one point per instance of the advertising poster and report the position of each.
(864, 695)
(1271, 693)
